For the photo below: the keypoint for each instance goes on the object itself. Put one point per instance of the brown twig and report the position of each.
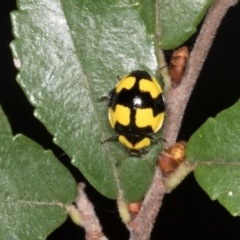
(89, 220)
(142, 225)
(176, 101)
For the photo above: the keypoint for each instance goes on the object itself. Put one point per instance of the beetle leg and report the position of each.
(155, 139)
(161, 68)
(107, 97)
(137, 152)
(112, 138)
(104, 97)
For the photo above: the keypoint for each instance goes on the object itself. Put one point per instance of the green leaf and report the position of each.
(4, 124)
(35, 187)
(178, 20)
(147, 11)
(215, 147)
(69, 54)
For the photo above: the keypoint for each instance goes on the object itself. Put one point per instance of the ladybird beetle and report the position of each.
(136, 111)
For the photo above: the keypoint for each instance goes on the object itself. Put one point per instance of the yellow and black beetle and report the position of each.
(135, 110)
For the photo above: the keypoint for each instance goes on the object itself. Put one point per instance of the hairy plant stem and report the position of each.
(176, 101)
(89, 220)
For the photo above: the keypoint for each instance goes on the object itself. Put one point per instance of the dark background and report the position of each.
(187, 212)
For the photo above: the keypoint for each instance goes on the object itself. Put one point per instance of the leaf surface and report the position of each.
(4, 124)
(70, 53)
(178, 20)
(35, 187)
(215, 147)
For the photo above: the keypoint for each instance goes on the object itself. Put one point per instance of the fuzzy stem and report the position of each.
(89, 220)
(141, 227)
